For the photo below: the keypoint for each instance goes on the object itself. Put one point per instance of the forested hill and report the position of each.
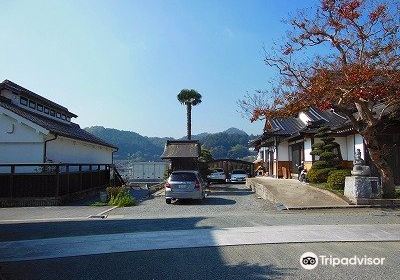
(231, 143)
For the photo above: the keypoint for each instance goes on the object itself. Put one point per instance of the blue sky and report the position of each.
(120, 64)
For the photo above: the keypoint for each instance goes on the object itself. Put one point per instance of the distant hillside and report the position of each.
(234, 130)
(231, 143)
(131, 144)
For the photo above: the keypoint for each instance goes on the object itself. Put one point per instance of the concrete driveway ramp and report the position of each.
(294, 194)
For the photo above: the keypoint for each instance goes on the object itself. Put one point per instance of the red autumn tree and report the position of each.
(344, 55)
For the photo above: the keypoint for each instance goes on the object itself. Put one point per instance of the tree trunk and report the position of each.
(189, 120)
(377, 154)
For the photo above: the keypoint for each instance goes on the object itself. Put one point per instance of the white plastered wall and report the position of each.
(307, 149)
(19, 143)
(283, 151)
(359, 144)
(67, 150)
(342, 141)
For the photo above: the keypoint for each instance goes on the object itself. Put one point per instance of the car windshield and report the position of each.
(218, 170)
(238, 172)
(183, 176)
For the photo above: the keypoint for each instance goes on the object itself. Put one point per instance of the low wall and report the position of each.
(47, 201)
(261, 190)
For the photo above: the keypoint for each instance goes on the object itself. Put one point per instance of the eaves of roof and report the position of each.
(69, 130)
(7, 84)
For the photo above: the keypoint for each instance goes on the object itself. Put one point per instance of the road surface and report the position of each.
(231, 214)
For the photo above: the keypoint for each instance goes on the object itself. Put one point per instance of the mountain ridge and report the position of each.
(137, 147)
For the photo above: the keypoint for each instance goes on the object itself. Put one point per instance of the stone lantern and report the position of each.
(360, 186)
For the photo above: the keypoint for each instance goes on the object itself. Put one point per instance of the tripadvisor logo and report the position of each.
(310, 260)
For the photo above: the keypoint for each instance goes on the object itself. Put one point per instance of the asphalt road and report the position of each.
(227, 206)
(273, 261)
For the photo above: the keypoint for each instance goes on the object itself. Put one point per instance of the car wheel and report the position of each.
(168, 201)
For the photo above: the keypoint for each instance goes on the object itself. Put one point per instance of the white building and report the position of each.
(286, 142)
(34, 129)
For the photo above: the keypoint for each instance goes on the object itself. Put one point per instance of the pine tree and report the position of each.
(327, 161)
(324, 150)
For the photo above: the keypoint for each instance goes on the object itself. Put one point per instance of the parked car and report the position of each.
(217, 175)
(184, 185)
(238, 175)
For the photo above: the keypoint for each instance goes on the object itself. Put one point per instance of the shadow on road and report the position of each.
(220, 190)
(190, 263)
(238, 193)
(209, 200)
(36, 230)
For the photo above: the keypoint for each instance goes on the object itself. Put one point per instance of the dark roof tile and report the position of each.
(30, 94)
(292, 126)
(70, 130)
(181, 149)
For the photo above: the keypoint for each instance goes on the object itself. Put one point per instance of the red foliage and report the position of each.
(361, 68)
(349, 10)
(378, 12)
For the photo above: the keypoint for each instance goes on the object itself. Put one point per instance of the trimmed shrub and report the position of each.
(321, 164)
(336, 179)
(325, 149)
(318, 175)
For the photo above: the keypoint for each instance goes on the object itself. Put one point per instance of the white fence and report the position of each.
(141, 171)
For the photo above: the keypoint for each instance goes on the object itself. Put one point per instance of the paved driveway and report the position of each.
(228, 199)
(294, 194)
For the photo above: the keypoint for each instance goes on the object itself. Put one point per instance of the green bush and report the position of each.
(122, 199)
(336, 179)
(318, 175)
(113, 191)
(321, 164)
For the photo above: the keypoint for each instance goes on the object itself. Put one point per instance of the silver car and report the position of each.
(217, 174)
(238, 175)
(184, 185)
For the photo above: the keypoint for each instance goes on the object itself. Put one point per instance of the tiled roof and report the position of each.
(70, 130)
(286, 126)
(293, 127)
(181, 149)
(333, 119)
(30, 94)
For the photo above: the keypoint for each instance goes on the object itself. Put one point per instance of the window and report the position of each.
(46, 110)
(69, 119)
(337, 152)
(238, 171)
(183, 176)
(52, 113)
(40, 107)
(63, 116)
(32, 104)
(58, 115)
(218, 170)
(23, 101)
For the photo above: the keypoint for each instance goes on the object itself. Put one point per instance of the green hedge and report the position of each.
(336, 179)
(318, 175)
